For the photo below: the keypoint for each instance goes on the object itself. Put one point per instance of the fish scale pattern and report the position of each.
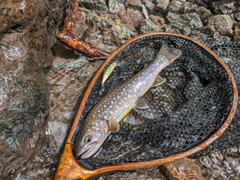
(188, 108)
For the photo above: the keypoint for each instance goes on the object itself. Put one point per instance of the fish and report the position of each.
(104, 118)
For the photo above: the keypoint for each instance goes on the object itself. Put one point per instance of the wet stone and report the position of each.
(183, 169)
(225, 7)
(162, 4)
(115, 6)
(237, 16)
(97, 5)
(137, 4)
(23, 89)
(147, 26)
(221, 24)
(16, 14)
(149, 5)
(236, 35)
(185, 22)
(135, 15)
(177, 6)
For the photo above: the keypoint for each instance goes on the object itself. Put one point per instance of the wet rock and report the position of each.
(144, 11)
(58, 130)
(135, 15)
(23, 87)
(183, 169)
(203, 12)
(221, 24)
(225, 6)
(147, 26)
(237, 16)
(224, 164)
(162, 4)
(157, 20)
(27, 33)
(115, 6)
(196, 34)
(177, 6)
(149, 5)
(58, 65)
(136, 4)
(236, 35)
(97, 5)
(186, 22)
(16, 14)
(106, 31)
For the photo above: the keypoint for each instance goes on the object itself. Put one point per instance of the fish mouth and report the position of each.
(82, 154)
(86, 152)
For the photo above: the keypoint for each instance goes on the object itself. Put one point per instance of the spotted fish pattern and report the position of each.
(105, 116)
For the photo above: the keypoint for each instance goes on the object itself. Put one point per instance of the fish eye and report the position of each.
(88, 139)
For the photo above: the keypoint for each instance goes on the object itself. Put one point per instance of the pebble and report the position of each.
(163, 4)
(222, 24)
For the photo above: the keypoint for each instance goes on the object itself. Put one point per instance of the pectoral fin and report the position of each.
(141, 104)
(113, 126)
(158, 81)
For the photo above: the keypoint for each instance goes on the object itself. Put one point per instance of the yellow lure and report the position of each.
(108, 71)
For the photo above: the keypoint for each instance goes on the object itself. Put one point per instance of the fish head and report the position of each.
(91, 138)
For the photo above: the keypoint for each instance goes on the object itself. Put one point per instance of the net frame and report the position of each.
(69, 168)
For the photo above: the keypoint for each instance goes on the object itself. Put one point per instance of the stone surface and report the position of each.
(221, 24)
(177, 6)
(183, 169)
(134, 3)
(16, 14)
(224, 6)
(115, 6)
(27, 33)
(236, 35)
(185, 22)
(25, 52)
(163, 4)
(225, 164)
(97, 5)
(147, 26)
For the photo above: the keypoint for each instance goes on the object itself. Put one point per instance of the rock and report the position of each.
(97, 5)
(16, 14)
(224, 163)
(177, 6)
(147, 26)
(157, 20)
(144, 11)
(136, 4)
(23, 87)
(185, 22)
(149, 5)
(221, 24)
(237, 16)
(163, 4)
(224, 6)
(115, 6)
(227, 8)
(236, 35)
(183, 169)
(203, 12)
(27, 32)
(135, 15)
(59, 132)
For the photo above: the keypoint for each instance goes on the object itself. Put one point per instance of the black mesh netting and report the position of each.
(189, 107)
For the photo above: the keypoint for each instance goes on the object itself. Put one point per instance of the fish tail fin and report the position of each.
(169, 53)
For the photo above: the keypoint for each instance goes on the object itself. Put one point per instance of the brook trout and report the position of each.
(105, 116)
